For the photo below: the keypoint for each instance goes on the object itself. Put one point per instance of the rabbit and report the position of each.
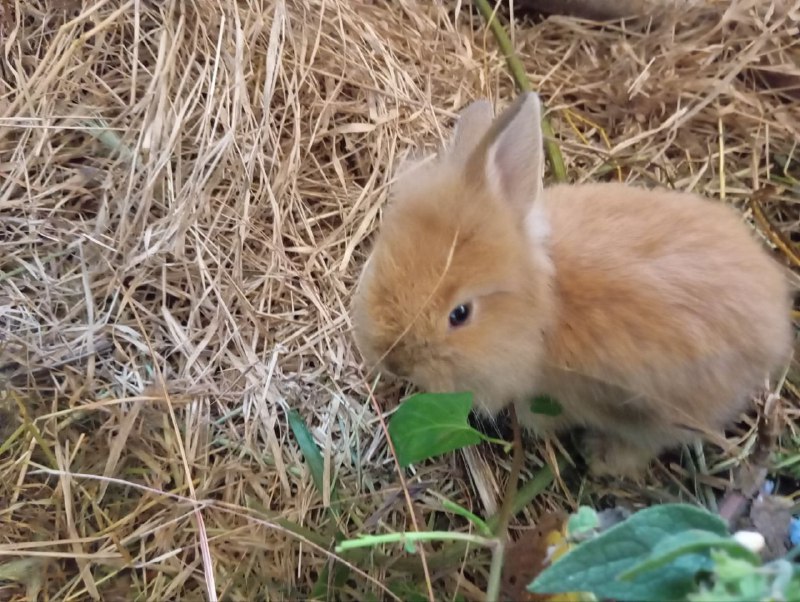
(651, 316)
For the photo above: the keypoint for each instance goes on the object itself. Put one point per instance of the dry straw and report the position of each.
(188, 190)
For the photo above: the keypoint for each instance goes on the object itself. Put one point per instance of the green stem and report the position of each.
(534, 487)
(414, 536)
(530, 490)
(506, 445)
(471, 517)
(495, 572)
(523, 83)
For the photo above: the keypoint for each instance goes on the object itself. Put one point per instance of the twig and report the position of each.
(523, 83)
(787, 247)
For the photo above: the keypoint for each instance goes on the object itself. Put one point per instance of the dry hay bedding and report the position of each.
(188, 192)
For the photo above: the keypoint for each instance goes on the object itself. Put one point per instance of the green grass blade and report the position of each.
(523, 83)
(312, 455)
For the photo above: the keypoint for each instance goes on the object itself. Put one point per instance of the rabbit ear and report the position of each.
(510, 158)
(473, 122)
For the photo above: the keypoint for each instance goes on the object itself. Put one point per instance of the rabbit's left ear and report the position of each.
(473, 122)
(510, 158)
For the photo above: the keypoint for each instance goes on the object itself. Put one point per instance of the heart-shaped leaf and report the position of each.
(431, 424)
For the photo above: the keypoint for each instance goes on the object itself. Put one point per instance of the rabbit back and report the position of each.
(669, 311)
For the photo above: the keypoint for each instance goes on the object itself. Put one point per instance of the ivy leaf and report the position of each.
(595, 565)
(431, 424)
(543, 404)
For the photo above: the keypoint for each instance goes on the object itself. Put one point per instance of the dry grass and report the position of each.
(187, 190)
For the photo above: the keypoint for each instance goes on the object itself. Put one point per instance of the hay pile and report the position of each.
(187, 194)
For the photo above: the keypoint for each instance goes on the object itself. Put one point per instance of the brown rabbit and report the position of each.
(652, 316)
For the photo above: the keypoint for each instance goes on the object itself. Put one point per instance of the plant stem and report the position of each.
(506, 510)
(530, 490)
(374, 540)
(471, 517)
(496, 572)
(523, 83)
(535, 486)
(501, 442)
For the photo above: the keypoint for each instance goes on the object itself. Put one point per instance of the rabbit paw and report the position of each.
(609, 457)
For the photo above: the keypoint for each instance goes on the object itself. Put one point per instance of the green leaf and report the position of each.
(727, 568)
(687, 542)
(428, 424)
(594, 566)
(733, 580)
(307, 446)
(584, 520)
(543, 404)
(316, 466)
(792, 591)
(312, 455)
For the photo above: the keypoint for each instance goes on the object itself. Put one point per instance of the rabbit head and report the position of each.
(456, 293)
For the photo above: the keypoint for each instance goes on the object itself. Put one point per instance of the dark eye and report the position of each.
(460, 315)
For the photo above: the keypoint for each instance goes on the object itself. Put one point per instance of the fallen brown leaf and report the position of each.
(525, 559)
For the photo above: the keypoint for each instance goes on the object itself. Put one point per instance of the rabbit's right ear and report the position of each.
(510, 158)
(473, 122)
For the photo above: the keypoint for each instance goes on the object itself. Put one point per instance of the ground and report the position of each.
(188, 192)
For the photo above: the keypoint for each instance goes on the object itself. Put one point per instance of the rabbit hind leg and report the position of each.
(628, 455)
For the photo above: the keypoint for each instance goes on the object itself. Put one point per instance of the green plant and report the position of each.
(428, 425)
(667, 552)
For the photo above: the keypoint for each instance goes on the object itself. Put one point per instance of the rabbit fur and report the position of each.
(652, 316)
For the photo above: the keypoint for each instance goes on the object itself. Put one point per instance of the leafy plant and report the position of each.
(431, 424)
(428, 425)
(667, 552)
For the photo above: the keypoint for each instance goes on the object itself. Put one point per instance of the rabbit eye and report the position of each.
(460, 315)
